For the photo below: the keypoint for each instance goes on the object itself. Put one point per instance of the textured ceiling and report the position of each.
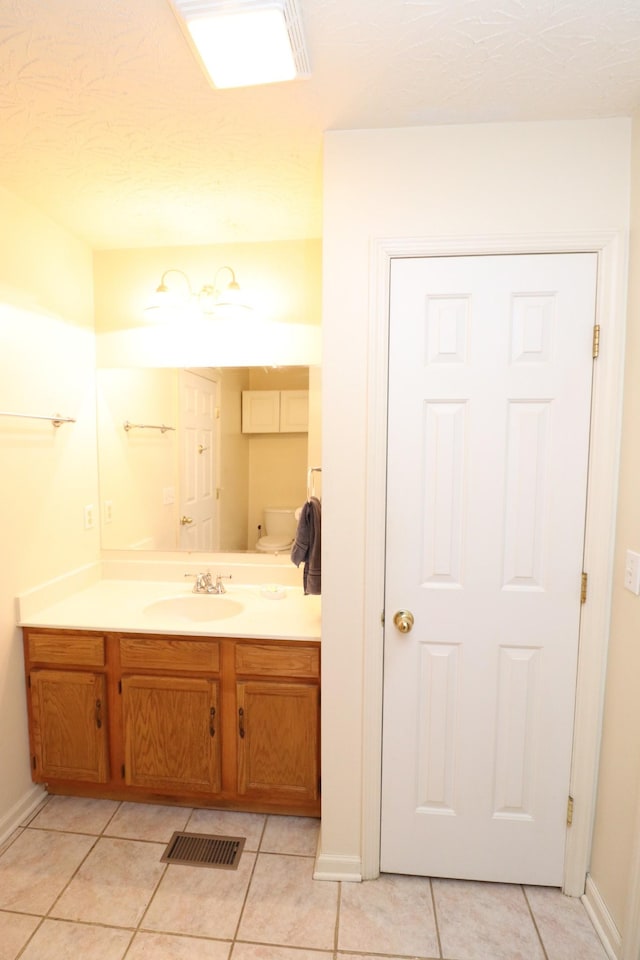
(108, 125)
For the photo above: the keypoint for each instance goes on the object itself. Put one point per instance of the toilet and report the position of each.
(280, 529)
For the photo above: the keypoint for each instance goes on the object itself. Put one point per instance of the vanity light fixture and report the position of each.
(214, 299)
(242, 43)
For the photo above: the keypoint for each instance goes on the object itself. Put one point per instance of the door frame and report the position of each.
(603, 470)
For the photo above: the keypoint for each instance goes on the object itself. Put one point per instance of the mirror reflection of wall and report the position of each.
(150, 479)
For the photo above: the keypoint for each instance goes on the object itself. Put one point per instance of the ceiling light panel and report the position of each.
(245, 42)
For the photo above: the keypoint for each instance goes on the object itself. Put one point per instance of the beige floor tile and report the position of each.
(10, 839)
(261, 951)
(484, 921)
(37, 867)
(230, 824)
(59, 940)
(162, 946)
(294, 835)
(393, 914)
(15, 930)
(287, 906)
(147, 821)
(201, 901)
(373, 956)
(114, 884)
(565, 928)
(75, 814)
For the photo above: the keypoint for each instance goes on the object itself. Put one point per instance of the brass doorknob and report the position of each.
(403, 620)
(185, 520)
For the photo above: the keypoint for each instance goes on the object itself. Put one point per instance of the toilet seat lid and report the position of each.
(274, 543)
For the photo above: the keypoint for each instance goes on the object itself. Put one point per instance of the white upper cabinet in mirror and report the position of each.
(185, 476)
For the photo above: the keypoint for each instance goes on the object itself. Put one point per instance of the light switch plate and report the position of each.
(632, 572)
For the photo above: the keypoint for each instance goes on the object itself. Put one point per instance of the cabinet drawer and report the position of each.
(84, 650)
(271, 660)
(163, 653)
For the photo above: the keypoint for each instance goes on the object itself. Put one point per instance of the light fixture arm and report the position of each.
(211, 289)
(163, 288)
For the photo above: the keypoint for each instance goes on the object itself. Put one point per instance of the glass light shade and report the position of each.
(244, 48)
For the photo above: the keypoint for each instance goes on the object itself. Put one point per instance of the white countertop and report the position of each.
(121, 605)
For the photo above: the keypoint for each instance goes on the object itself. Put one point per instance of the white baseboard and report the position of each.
(21, 810)
(329, 867)
(602, 920)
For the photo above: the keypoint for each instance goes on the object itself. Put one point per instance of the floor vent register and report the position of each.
(204, 850)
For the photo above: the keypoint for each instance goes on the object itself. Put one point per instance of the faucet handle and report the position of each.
(219, 585)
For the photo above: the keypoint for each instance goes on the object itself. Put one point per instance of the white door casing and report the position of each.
(490, 377)
(199, 506)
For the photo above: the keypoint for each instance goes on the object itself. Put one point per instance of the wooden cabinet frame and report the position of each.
(168, 728)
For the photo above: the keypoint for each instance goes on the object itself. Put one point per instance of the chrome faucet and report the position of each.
(204, 583)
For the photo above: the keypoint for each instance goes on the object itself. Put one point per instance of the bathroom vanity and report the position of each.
(190, 715)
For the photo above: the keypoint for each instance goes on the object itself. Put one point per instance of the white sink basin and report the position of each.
(196, 607)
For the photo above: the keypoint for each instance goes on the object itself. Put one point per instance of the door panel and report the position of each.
(489, 403)
(199, 503)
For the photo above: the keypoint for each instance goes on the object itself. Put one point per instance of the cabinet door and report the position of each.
(68, 725)
(171, 733)
(278, 739)
(260, 411)
(294, 411)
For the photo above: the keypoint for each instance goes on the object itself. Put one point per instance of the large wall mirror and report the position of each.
(178, 470)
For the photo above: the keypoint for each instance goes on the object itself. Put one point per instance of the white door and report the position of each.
(199, 526)
(490, 372)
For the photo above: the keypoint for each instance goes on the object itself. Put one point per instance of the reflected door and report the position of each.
(199, 506)
(489, 408)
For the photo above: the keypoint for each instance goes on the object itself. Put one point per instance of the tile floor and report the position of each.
(83, 879)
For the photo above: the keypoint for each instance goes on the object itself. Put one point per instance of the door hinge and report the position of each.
(596, 341)
(119, 686)
(583, 587)
(33, 762)
(569, 811)
(382, 618)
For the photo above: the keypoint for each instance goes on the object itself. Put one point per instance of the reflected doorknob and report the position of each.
(403, 620)
(185, 520)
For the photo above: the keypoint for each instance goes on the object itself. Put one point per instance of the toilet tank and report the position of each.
(280, 521)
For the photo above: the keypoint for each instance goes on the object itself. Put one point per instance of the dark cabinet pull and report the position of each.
(241, 723)
(212, 714)
(98, 714)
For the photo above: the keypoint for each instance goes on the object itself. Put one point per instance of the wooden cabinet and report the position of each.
(170, 736)
(208, 721)
(170, 721)
(278, 749)
(68, 708)
(278, 699)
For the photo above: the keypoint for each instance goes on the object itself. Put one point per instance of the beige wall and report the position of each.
(619, 778)
(48, 474)
(495, 180)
